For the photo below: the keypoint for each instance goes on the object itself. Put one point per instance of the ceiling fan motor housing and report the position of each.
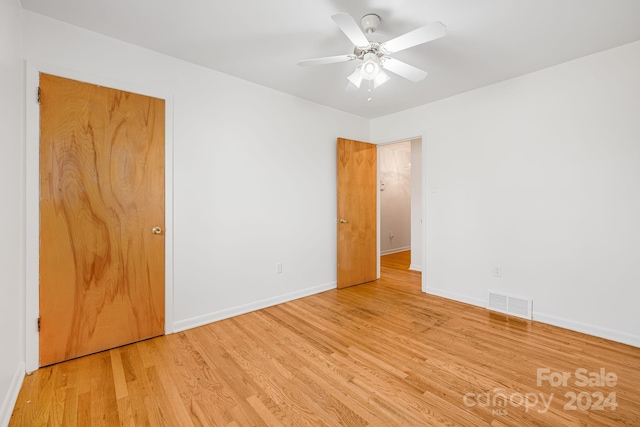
(373, 47)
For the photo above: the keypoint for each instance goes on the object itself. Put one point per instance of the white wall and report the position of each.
(254, 173)
(11, 207)
(541, 175)
(395, 197)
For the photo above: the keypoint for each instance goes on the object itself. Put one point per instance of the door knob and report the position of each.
(343, 221)
(156, 230)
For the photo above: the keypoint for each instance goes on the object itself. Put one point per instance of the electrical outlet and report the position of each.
(497, 271)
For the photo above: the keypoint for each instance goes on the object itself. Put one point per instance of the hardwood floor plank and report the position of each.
(379, 354)
(136, 384)
(119, 381)
(84, 410)
(268, 418)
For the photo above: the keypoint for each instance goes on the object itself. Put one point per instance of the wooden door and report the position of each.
(357, 204)
(101, 194)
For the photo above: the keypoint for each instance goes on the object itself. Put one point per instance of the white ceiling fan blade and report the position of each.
(326, 60)
(351, 29)
(413, 38)
(405, 70)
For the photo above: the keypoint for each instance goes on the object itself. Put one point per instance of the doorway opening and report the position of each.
(400, 204)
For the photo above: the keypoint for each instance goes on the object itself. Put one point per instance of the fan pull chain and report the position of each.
(370, 92)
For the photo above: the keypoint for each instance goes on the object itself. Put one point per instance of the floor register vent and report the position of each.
(509, 304)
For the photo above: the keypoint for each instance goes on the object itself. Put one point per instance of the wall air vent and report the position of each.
(508, 304)
(497, 302)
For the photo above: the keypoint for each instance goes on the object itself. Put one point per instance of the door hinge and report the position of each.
(38, 324)
(38, 94)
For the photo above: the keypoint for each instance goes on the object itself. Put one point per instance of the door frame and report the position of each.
(32, 195)
(423, 159)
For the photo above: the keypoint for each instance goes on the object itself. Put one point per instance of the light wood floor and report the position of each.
(381, 354)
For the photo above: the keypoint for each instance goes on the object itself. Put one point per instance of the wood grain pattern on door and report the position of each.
(357, 204)
(101, 194)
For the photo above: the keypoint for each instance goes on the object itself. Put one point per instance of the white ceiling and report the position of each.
(260, 40)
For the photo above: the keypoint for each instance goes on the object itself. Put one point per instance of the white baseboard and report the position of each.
(621, 337)
(415, 267)
(246, 308)
(395, 250)
(12, 395)
(596, 331)
(456, 297)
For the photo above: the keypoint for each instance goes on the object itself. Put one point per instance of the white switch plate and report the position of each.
(278, 268)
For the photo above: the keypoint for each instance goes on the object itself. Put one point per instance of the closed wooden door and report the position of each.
(357, 204)
(101, 196)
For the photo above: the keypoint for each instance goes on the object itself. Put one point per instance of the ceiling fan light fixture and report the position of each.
(356, 77)
(370, 67)
(380, 79)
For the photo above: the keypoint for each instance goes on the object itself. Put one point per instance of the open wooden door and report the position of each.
(101, 218)
(357, 219)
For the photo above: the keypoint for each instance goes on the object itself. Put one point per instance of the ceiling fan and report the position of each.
(376, 57)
